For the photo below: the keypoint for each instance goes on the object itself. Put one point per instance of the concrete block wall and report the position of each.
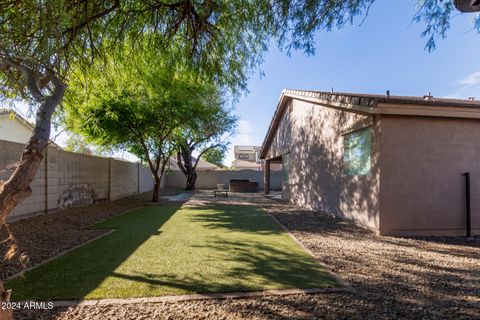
(67, 179)
(10, 153)
(124, 179)
(208, 179)
(67, 169)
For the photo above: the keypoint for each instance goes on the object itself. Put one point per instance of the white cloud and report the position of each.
(472, 80)
(245, 133)
(467, 87)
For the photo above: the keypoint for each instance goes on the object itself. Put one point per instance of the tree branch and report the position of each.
(29, 75)
(203, 152)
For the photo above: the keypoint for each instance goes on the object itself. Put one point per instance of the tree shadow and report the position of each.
(251, 266)
(75, 274)
(237, 218)
(313, 136)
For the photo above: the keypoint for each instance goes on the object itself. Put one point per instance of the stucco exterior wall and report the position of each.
(208, 179)
(313, 135)
(13, 129)
(422, 187)
(67, 179)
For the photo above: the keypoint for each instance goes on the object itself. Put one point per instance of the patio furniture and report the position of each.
(220, 189)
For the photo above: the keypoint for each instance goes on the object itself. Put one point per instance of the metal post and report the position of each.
(266, 175)
(468, 213)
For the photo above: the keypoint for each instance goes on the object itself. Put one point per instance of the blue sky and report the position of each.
(385, 53)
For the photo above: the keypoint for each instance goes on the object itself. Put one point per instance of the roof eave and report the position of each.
(367, 108)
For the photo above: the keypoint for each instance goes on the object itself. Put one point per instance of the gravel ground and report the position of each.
(47, 235)
(393, 278)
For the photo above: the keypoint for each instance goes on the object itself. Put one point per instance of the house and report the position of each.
(246, 157)
(15, 128)
(393, 164)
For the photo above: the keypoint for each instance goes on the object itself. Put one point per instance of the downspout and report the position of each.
(468, 213)
(45, 163)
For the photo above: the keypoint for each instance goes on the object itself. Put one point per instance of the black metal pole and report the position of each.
(468, 213)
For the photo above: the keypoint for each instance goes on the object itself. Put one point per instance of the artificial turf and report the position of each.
(170, 250)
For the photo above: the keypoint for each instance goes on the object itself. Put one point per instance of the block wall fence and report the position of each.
(208, 179)
(67, 179)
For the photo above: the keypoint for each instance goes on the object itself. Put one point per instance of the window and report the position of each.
(357, 152)
(286, 166)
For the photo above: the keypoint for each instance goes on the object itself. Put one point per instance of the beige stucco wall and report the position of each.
(208, 179)
(74, 177)
(313, 135)
(422, 187)
(13, 129)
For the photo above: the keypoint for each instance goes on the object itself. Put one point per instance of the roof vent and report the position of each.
(428, 97)
(388, 94)
(471, 98)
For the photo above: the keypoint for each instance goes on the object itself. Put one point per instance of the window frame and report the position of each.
(363, 166)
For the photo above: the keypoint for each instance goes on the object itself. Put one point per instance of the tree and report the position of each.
(133, 102)
(203, 131)
(215, 156)
(39, 40)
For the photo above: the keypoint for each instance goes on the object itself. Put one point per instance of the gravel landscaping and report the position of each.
(393, 278)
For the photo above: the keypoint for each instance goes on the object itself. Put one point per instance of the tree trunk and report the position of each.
(17, 187)
(187, 168)
(5, 314)
(191, 179)
(156, 188)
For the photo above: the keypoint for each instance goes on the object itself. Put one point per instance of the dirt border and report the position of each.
(19, 274)
(191, 297)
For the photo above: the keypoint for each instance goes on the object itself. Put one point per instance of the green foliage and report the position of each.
(207, 124)
(215, 156)
(206, 128)
(132, 101)
(224, 39)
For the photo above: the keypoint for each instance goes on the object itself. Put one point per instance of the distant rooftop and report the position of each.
(246, 148)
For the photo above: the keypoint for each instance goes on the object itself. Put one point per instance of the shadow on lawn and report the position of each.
(263, 267)
(247, 253)
(236, 218)
(73, 277)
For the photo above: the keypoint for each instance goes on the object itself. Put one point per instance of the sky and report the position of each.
(385, 52)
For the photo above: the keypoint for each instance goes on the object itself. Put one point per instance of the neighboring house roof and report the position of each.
(371, 104)
(21, 121)
(245, 164)
(202, 164)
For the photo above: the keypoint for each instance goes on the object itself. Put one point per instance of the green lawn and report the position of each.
(169, 250)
